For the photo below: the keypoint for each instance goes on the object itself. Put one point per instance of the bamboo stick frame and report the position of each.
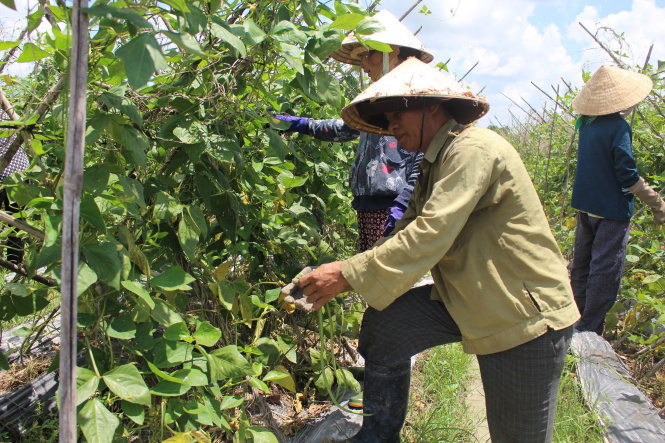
(78, 74)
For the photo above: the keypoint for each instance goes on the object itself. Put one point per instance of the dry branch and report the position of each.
(22, 271)
(410, 9)
(603, 47)
(18, 224)
(49, 99)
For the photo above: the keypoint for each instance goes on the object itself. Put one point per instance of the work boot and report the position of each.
(386, 397)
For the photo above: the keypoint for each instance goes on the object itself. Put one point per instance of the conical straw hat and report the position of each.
(611, 89)
(393, 33)
(411, 85)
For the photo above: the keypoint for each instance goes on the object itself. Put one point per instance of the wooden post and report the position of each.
(78, 78)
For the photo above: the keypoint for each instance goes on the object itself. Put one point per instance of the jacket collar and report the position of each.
(442, 138)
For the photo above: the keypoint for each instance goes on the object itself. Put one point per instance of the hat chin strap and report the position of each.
(386, 63)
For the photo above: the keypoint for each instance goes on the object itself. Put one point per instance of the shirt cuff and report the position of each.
(357, 272)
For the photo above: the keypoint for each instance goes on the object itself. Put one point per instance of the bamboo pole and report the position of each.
(646, 63)
(78, 74)
(410, 9)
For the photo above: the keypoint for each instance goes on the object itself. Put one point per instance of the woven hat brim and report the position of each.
(611, 89)
(394, 32)
(411, 79)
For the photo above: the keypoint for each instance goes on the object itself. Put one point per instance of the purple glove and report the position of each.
(298, 124)
(396, 212)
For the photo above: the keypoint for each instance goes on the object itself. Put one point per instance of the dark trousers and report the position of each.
(598, 259)
(520, 384)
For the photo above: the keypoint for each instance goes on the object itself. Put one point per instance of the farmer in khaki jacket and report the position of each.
(474, 221)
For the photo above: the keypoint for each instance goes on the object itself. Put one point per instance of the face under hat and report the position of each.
(393, 33)
(611, 89)
(411, 85)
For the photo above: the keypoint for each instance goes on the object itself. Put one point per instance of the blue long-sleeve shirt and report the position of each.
(605, 168)
(382, 173)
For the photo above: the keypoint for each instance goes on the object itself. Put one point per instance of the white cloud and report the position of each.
(641, 26)
(514, 47)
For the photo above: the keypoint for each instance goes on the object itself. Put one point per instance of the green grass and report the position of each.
(436, 408)
(574, 422)
(437, 412)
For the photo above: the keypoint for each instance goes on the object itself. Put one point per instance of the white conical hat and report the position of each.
(611, 89)
(393, 33)
(411, 85)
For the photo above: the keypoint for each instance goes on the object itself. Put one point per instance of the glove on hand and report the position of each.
(396, 212)
(294, 295)
(645, 193)
(298, 124)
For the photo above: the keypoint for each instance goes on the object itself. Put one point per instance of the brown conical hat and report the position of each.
(611, 89)
(393, 33)
(411, 85)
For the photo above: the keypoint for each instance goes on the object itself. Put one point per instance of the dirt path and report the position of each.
(474, 401)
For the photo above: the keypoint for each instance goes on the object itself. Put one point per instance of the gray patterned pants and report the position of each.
(520, 384)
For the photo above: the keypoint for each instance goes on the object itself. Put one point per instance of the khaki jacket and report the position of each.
(476, 222)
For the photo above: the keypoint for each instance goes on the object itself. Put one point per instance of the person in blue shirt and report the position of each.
(382, 176)
(606, 179)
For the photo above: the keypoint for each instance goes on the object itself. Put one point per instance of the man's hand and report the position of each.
(323, 284)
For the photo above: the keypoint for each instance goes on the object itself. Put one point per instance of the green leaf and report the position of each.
(651, 279)
(199, 220)
(206, 334)
(282, 378)
(188, 236)
(142, 57)
(4, 364)
(173, 279)
(368, 26)
(346, 381)
(192, 377)
(255, 33)
(31, 53)
(293, 57)
(222, 32)
(9, 3)
(86, 384)
(122, 14)
(127, 383)
(286, 32)
(35, 19)
(347, 22)
(104, 260)
(229, 402)
(170, 389)
(122, 327)
(90, 213)
(176, 332)
(163, 375)
(4, 45)
(178, 5)
(230, 363)
(262, 435)
(166, 206)
(164, 314)
(171, 353)
(86, 278)
(135, 412)
(259, 384)
(324, 380)
(279, 148)
(379, 46)
(186, 42)
(138, 290)
(97, 423)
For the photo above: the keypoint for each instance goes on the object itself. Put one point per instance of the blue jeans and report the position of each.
(598, 259)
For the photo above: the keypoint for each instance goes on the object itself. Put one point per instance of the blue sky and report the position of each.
(516, 42)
